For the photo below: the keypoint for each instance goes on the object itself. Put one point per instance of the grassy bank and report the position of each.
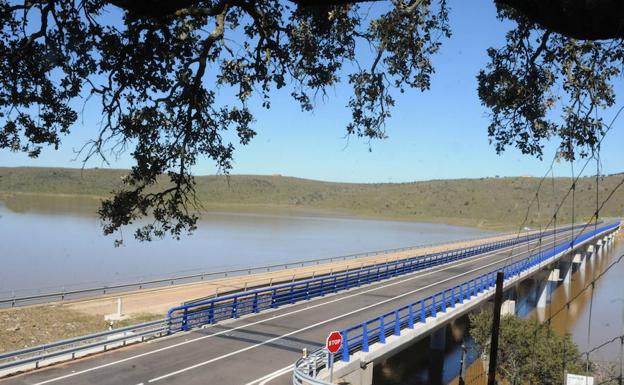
(31, 326)
(493, 203)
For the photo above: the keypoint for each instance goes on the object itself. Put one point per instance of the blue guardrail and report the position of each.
(360, 337)
(213, 310)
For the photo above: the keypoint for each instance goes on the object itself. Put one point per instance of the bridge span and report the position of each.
(253, 348)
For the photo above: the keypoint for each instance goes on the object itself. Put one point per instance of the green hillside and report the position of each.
(497, 203)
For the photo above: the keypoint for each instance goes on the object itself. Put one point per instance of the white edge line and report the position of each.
(317, 324)
(264, 379)
(414, 275)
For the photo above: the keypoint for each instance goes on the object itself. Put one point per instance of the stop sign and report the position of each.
(333, 342)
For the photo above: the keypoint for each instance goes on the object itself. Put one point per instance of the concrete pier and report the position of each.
(508, 308)
(565, 268)
(437, 345)
(544, 288)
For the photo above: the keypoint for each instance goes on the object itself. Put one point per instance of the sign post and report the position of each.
(333, 345)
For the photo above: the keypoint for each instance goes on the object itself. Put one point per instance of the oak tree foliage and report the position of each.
(528, 352)
(158, 69)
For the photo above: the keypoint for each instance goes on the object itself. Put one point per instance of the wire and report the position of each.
(553, 221)
(603, 344)
(595, 150)
(593, 282)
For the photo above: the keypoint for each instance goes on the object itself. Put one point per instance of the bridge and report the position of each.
(255, 337)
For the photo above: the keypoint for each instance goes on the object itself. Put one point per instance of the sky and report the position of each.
(437, 134)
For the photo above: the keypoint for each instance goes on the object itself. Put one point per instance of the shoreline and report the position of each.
(31, 202)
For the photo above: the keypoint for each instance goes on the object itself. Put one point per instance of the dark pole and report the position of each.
(461, 364)
(498, 301)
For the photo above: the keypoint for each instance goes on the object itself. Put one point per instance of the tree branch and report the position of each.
(578, 19)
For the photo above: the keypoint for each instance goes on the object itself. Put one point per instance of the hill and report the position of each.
(495, 203)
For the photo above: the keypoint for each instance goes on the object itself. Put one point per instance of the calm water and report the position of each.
(47, 250)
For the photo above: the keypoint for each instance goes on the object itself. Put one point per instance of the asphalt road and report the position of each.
(261, 349)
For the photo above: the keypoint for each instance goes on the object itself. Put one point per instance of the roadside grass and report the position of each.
(35, 325)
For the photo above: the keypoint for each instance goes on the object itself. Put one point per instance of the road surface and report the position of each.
(261, 349)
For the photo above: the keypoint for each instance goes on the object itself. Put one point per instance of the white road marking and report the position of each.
(266, 342)
(415, 275)
(276, 375)
(271, 376)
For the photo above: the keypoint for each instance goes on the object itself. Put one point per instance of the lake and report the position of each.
(45, 250)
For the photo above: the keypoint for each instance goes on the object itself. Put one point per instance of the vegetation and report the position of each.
(529, 352)
(36, 325)
(175, 79)
(495, 203)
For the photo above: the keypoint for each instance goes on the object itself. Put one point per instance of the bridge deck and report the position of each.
(262, 348)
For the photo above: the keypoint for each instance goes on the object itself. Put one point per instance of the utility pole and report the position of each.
(498, 301)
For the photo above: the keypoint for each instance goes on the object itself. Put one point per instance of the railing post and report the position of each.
(345, 346)
(185, 319)
(273, 299)
(397, 323)
(423, 312)
(211, 319)
(453, 296)
(335, 287)
(365, 337)
(433, 306)
(443, 301)
(308, 290)
(461, 293)
(234, 307)
(382, 330)
(410, 317)
(255, 303)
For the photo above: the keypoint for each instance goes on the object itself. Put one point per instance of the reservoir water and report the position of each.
(50, 249)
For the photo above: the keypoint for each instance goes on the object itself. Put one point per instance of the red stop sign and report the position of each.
(334, 341)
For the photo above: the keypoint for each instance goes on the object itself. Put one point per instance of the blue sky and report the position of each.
(438, 134)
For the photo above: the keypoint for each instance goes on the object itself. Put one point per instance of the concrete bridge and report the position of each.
(249, 346)
(379, 338)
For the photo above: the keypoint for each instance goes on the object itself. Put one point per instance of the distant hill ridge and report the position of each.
(486, 202)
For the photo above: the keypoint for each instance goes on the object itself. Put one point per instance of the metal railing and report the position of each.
(306, 369)
(13, 299)
(102, 341)
(213, 310)
(83, 345)
(360, 337)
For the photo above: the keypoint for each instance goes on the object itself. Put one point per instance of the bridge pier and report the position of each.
(544, 288)
(437, 345)
(590, 254)
(508, 308)
(599, 248)
(565, 268)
